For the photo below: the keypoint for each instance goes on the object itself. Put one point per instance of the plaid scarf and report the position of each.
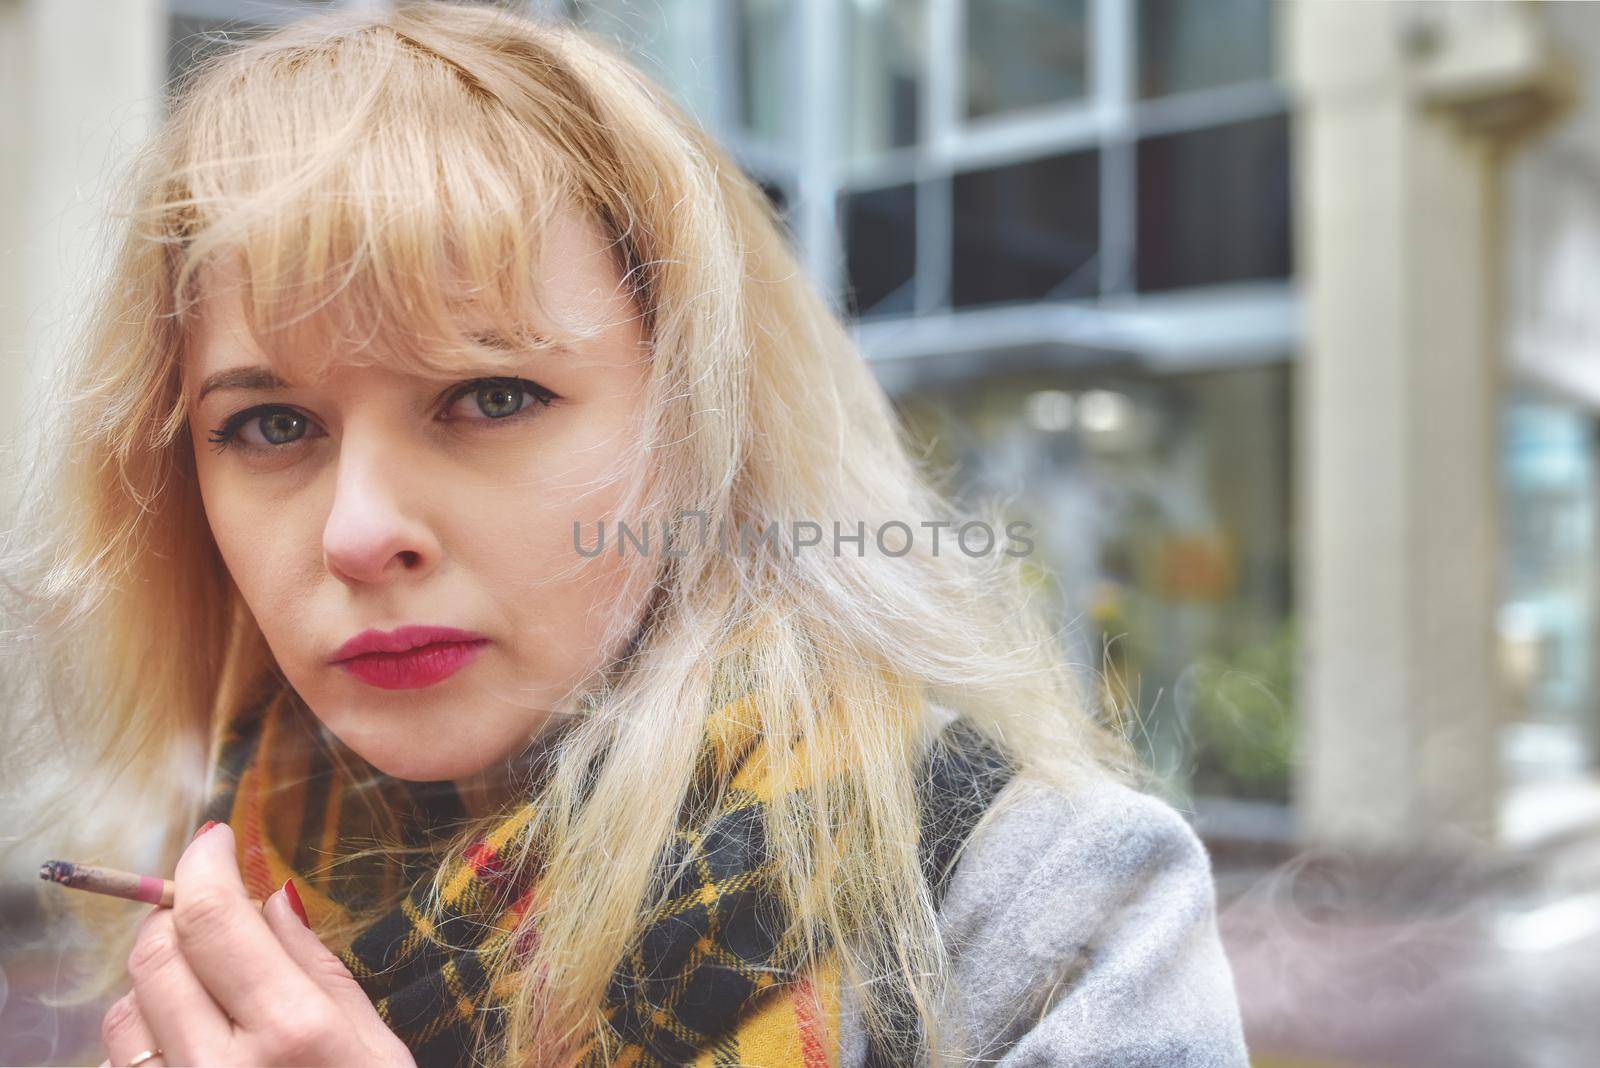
(703, 983)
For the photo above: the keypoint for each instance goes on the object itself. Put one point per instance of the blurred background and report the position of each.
(1279, 323)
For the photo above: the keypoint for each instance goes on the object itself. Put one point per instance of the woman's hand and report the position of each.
(218, 981)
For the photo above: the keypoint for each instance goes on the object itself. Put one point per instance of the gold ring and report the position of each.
(143, 1057)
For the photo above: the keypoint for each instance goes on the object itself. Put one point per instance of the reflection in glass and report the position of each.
(1024, 53)
(1161, 510)
(1213, 205)
(764, 54)
(884, 41)
(1550, 462)
(1027, 231)
(666, 38)
(777, 194)
(879, 228)
(192, 39)
(1184, 45)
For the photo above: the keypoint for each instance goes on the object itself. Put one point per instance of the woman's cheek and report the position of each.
(268, 557)
(567, 603)
(253, 547)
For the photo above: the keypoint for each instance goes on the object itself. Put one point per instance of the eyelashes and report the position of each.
(227, 436)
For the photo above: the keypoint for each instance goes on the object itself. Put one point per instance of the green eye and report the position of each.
(278, 427)
(498, 399)
(501, 398)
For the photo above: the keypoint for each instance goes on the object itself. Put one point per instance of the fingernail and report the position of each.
(293, 895)
(204, 827)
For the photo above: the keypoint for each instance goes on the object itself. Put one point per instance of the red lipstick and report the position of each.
(409, 657)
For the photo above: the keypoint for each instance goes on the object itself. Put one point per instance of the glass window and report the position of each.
(1161, 510)
(777, 193)
(1024, 53)
(1185, 45)
(1213, 205)
(880, 232)
(764, 52)
(1550, 476)
(193, 39)
(674, 38)
(667, 39)
(1027, 231)
(881, 81)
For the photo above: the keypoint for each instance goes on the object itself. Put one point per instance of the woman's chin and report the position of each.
(457, 737)
(404, 752)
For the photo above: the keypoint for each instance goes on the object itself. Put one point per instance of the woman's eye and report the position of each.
(271, 428)
(499, 398)
(274, 428)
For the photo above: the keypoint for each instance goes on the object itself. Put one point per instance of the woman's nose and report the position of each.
(373, 533)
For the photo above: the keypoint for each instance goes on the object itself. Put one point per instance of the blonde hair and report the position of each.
(367, 160)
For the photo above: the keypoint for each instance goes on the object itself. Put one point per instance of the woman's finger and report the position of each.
(232, 951)
(183, 1017)
(371, 1034)
(316, 959)
(125, 1033)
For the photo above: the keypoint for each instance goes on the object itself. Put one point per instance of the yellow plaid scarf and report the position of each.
(703, 983)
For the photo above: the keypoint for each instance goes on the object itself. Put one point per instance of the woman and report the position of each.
(464, 504)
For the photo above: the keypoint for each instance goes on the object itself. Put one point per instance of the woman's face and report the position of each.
(376, 500)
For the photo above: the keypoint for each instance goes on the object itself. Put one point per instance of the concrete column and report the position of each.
(1402, 112)
(81, 83)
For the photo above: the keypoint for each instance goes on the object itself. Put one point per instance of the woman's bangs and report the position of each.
(403, 227)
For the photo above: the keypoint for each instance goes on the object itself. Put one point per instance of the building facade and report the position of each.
(1332, 546)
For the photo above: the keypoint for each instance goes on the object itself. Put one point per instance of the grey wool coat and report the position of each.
(1083, 930)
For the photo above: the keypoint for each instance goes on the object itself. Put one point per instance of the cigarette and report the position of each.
(99, 880)
(131, 885)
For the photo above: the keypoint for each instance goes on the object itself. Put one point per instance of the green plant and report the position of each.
(1242, 720)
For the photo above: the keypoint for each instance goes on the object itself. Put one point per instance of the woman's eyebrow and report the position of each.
(531, 342)
(262, 379)
(489, 339)
(251, 378)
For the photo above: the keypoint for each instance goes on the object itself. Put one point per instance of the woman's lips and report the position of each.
(412, 670)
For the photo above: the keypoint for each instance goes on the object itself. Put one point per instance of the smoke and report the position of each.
(1444, 957)
(38, 960)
